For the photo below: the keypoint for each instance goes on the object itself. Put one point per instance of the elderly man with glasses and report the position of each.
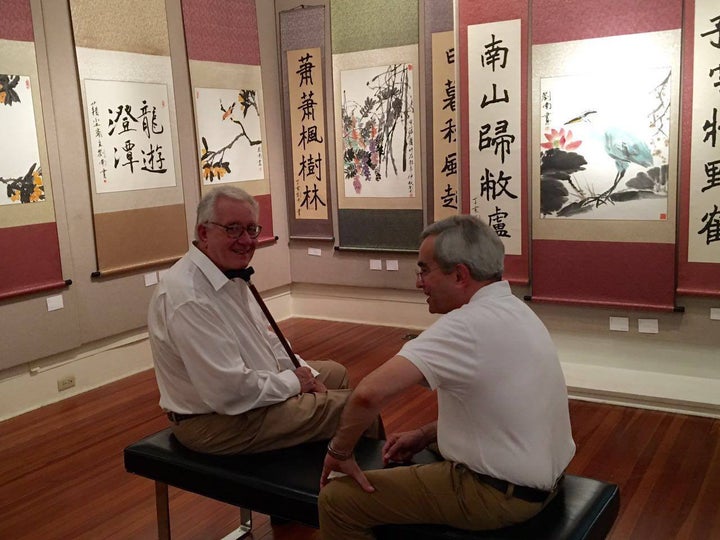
(226, 382)
(503, 425)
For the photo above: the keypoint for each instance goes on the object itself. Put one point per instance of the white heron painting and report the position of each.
(604, 146)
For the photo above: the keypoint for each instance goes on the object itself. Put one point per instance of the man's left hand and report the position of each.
(349, 467)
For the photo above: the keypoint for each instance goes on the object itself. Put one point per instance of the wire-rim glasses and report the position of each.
(236, 231)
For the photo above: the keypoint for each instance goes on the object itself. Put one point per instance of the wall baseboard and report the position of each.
(28, 387)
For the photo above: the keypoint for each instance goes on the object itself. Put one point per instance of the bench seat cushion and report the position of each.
(285, 483)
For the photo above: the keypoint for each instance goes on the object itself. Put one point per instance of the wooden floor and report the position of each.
(62, 476)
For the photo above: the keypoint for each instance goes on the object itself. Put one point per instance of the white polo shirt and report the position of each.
(502, 399)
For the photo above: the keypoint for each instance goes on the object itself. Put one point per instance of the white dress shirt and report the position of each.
(211, 345)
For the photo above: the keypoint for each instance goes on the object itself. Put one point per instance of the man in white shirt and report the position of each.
(225, 380)
(503, 426)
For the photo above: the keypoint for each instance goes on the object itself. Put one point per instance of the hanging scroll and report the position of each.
(445, 201)
(605, 137)
(699, 262)
(129, 135)
(443, 188)
(375, 79)
(496, 153)
(28, 231)
(123, 62)
(493, 39)
(302, 52)
(223, 51)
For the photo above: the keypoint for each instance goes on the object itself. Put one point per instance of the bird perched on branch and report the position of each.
(623, 147)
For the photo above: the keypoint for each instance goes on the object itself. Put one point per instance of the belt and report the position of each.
(512, 490)
(176, 418)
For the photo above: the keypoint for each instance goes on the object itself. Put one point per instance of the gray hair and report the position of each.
(206, 207)
(467, 240)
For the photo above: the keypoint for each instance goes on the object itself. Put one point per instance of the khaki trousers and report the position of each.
(302, 418)
(299, 419)
(440, 493)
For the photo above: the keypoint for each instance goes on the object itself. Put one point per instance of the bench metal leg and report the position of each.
(163, 510)
(245, 527)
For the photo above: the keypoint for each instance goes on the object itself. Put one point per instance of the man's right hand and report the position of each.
(308, 383)
(401, 447)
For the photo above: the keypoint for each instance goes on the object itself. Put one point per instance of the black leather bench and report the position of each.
(285, 483)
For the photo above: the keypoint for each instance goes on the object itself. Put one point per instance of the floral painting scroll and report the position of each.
(378, 131)
(29, 240)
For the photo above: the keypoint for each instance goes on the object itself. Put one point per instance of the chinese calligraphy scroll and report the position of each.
(28, 231)
(442, 157)
(493, 82)
(129, 135)
(496, 150)
(699, 261)
(446, 200)
(307, 124)
(123, 62)
(303, 57)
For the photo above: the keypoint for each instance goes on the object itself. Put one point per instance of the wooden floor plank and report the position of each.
(62, 476)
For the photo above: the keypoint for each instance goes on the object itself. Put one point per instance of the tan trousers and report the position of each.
(302, 418)
(440, 493)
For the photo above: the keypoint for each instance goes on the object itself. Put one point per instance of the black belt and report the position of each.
(176, 418)
(513, 490)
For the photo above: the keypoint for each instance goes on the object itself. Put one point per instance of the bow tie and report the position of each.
(243, 273)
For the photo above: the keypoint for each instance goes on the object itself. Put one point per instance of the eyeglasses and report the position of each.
(422, 274)
(236, 231)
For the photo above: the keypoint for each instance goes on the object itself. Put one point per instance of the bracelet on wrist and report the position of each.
(340, 456)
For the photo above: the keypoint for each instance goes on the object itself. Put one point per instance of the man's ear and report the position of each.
(462, 274)
(202, 232)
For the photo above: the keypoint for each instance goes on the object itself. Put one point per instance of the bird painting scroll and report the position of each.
(230, 134)
(604, 146)
(20, 174)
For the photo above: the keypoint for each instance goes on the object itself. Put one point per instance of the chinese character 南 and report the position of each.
(494, 54)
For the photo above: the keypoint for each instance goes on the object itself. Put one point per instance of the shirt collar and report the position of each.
(492, 290)
(209, 269)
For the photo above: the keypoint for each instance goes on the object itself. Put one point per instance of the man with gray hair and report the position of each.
(226, 382)
(503, 426)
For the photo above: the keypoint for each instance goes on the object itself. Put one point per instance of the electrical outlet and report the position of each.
(66, 382)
